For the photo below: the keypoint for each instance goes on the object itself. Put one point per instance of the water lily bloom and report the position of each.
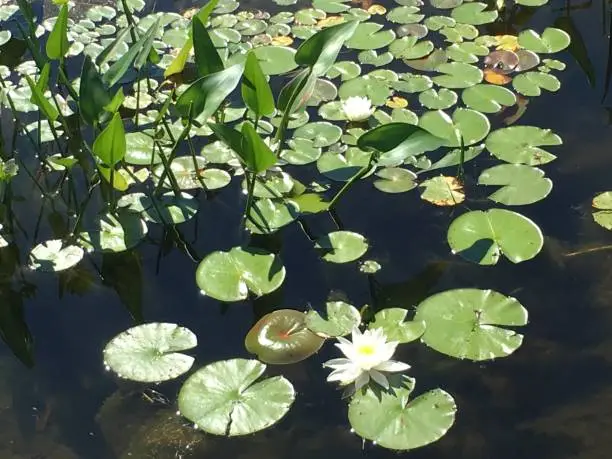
(367, 356)
(357, 108)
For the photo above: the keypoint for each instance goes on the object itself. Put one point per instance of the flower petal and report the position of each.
(362, 380)
(379, 378)
(345, 376)
(335, 363)
(392, 366)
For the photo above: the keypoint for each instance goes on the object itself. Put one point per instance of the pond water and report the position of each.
(551, 399)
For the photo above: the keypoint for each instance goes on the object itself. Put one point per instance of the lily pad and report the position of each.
(521, 184)
(140, 148)
(551, 41)
(488, 98)
(429, 63)
(530, 84)
(169, 208)
(457, 75)
(405, 15)
(521, 144)
(395, 180)
(374, 89)
(443, 191)
(603, 216)
(230, 276)
(438, 100)
(346, 70)
(53, 256)
(275, 60)
(150, 352)
(474, 13)
(341, 167)
(456, 157)
(223, 398)
(339, 320)
(116, 233)
(342, 246)
(370, 35)
(468, 124)
(484, 236)
(371, 57)
(268, 216)
(302, 151)
(470, 323)
(322, 133)
(410, 47)
(393, 422)
(393, 322)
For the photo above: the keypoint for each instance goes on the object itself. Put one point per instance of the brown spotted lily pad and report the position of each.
(443, 191)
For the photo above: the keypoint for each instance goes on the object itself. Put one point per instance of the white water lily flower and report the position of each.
(367, 356)
(357, 108)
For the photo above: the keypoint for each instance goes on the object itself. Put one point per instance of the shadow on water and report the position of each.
(551, 400)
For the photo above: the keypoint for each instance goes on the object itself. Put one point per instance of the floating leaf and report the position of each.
(223, 398)
(470, 323)
(405, 15)
(482, 237)
(342, 246)
(456, 157)
(53, 256)
(191, 174)
(268, 216)
(438, 100)
(488, 98)
(115, 233)
(393, 322)
(342, 167)
(520, 144)
(370, 35)
(603, 217)
(457, 75)
(275, 60)
(474, 13)
(371, 57)
(410, 48)
(393, 422)
(521, 184)
(551, 41)
(466, 124)
(347, 70)
(150, 352)
(529, 84)
(395, 180)
(339, 320)
(230, 276)
(443, 191)
(322, 133)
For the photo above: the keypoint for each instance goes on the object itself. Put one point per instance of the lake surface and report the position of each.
(552, 399)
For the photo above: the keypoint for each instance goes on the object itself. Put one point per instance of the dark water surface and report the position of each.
(552, 399)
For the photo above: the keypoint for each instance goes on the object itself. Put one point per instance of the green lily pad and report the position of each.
(395, 180)
(467, 52)
(140, 148)
(532, 3)
(393, 422)
(603, 216)
(302, 151)
(520, 144)
(411, 48)
(268, 216)
(551, 41)
(370, 36)
(324, 90)
(190, 176)
(438, 100)
(341, 167)
(150, 352)
(322, 133)
(468, 124)
(346, 70)
(332, 111)
(311, 203)
(53, 256)
(445, 4)
(339, 320)
(470, 323)
(274, 184)
(393, 322)
(275, 60)
(169, 208)
(442, 191)
(474, 13)
(217, 152)
(411, 83)
(456, 157)
(371, 57)
(331, 6)
(223, 398)
(457, 75)
(521, 184)
(429, 63)
(438, 22)
(5, 36)
(374, 89)
(405, 15)
(482, 237)
(251, 27)
(230, 276)
(530, 84)
(369, 267)
(488, 98)
(115, 233)
(282, 337)
(459, 33)
(342, 246)
(309, 16)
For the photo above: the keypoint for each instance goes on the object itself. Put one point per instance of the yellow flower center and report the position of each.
(366, 349)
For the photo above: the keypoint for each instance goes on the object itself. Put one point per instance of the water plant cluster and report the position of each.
(169, 109)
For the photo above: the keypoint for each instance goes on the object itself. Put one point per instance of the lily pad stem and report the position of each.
(347, 186)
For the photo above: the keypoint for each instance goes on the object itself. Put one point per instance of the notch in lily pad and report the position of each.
(339, 319)
(342, 246)
(395, 326)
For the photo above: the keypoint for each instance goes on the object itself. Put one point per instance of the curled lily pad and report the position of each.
(230, 276)
(150, 352)
(603, 216)
(223, 398)
(483, 236)
(342, 246)
(53, 256)
(429, 63)
(470, 323)
(339, 320)
(443, 191)
(393, 322)
(521, 184)
(395, 180)
(394, 422)
(116, 233)
(527, 60)
(521, 144)
(282, 337)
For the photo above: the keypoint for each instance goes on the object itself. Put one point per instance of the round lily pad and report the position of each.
(230, 276)
(275, 184)
(457, 75)
(322, 133)
(115, 233)
(456, 157)
(405, 15)
(282, 337)
(443, 191)
(340, 319)
(521, 144)
(393, 322)
(410, 47)
(551, 41)
(371, 57)
(438, 100)
(395, 180)
(392, 421)
(474, 13)
(223, 398)
(302, 151)
(603, 216)
(468, 124)
(370, 35)
(470, 323)
(275, 60)
(488, 98)
(429, 63)
(530, 84)
(140, 148)
(150, 352)
(411, 83)
(346, 70)
(483, 236)
(53, 256)
(341, 167)
(189, 175)
(342, 246)
(521, 184)
(374, 89)
(268, 215)
(166, 209)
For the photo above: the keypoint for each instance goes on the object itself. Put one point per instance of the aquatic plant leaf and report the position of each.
(603, 216)
(223, 398)
(521, 184)
(488, 98)
(484, 236)
(340, 319)
(456, 157)
(370, 35)
(268, 216)
(529, 83)
(53, 256)
(169, 209)
(150, 352)
(282, 337)
(390, 420)
(467, 52)
(466, 124)
(275, 60)
(38, 98)
(443, 191)
(311, 203)
(457, 75)
(438, 100)
(110, 145)
(470, 323)
(342, 246)
(5, 36)
(271, 185)
(115, 234)
(532, 3)
(255, 153)
(256, 92)
(410, 48)
(140, 149)
(398, 141)
(412, 83)
(193, 173)
(93, 95)
(342, 167)
(551, 41)
(371, 57)
(230, 276)
(405, 15)
(395, 326)
(395, 180)
(206, 56)
(374, 89)
(322, 133)
(346, 70)
(474, 13)
(112, 49)
(429, 63)
(300, 152)
(521, 144)
(204, 96)
(57, 43)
